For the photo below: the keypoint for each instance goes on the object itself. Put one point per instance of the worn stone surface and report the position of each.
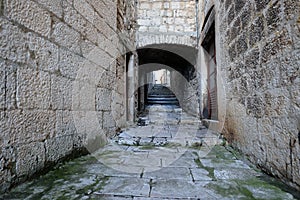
(88, 178)
(47, 47)
(166, 22)
(257, 60)
(62, 85)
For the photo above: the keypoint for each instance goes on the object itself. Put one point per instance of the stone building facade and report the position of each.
(61, 86)
(256, 51)
(167, 30)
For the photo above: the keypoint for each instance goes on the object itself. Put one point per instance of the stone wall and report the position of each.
(166, 22)
(61, 88)
(258, 58)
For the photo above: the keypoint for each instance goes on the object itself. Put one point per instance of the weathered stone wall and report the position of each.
(186, 92)
(166, 22)
(258, 58)
(60, 87)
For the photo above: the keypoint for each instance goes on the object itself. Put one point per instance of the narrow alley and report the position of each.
(174, 157)
(149, 99)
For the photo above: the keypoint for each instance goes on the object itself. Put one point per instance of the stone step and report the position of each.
(170, 102)
(161, 96)
(162, 99)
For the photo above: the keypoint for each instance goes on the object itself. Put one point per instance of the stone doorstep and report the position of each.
(212, 125)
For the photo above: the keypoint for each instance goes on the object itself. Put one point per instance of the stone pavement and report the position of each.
(160, 161)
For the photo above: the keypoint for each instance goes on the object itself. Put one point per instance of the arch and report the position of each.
(144, 40)
(181, 61)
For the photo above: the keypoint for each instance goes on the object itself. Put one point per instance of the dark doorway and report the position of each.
(209, 44)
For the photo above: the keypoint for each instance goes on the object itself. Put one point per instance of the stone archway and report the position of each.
(180, 60)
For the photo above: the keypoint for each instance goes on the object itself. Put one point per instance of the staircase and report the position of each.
(160, 94)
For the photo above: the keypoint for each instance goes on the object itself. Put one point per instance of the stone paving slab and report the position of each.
(170, 173)
(108, 197)
(200, 170)
(222, 163)
(248, 189)
(200, 174)
(178, 189)
(234, 173)
(103, 170)
(126, 187)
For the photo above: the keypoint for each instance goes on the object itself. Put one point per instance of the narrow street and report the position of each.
(174, 157)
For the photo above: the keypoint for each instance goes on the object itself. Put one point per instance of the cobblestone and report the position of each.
(123, 171)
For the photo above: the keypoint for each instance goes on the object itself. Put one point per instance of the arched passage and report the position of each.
(179, 61)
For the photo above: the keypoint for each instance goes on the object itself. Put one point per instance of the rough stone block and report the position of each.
(156, 5)
(86, 47)
(175, 5)
(108, 121)
(239, 4)
(30, 159)
(145, 5)
(99, 6)
(8, 165)
(273, 16)
(61, 92)
(118, 111)
(30, 15)
(64, 123)
(103, 99)
(227, 4)
(59, 147)
(67, 37)
(54, 6)
(179, 21)
(43, 53)
(275, 44)
(166, 5)
(246, 16)
(85, 10)
(33, 89)
(252, 59)
(255, 106)
(144, 22)
(12, 42)
(24, 126)
(261, 4)
(8, 85)
(290, 13)
(107, 80)
(272, 73)
(256, 32)
(231, 15)
(241, 45)
(69, 63)
(73, 17)
(101, 58)
(143, 29)
(111, 6)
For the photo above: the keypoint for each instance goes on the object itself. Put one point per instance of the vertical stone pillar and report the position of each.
(131, 88)
(142, 90)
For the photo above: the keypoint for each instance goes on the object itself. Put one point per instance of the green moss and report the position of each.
(87, 189)
(196, 145)
(231, 190)
(148, 147)
(261, 184)
(172, 145)
(103, 182)
(220, 152)
(106, 153)
(209, 169)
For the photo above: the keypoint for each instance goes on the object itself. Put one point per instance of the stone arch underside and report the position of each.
(181, 59)
(144, 40)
